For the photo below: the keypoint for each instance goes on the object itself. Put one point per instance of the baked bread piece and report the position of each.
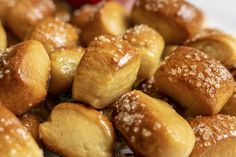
(150, 44)
(176, 20)
(24, 71)
(31, 125)
(3, 37)
(63, 10)
(151, 127)
(215, 44)
(77, 131)
(63, 67)
(230, 106)
(83, 16)
(14, 140)
(110, 19)
(54, 33)
(5, 6)
(200, 84)
(107, 70)
(26, 14)
(215, 136)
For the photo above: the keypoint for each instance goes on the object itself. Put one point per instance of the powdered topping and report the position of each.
(194, 69)
(121, 52)
(210, 130)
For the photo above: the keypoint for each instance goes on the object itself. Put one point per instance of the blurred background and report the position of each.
(220, 14)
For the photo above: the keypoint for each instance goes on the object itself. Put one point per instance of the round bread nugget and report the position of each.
(24, 72)
(215, 136)
(151, 127)
(78, 131)
(199, 83)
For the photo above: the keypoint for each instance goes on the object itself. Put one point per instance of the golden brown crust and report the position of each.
(86, 132)
(107, 61)
(54, 33)
(215, 44)
(3, 37)
(83, 16)
(31, 125)
(14, 140)
(200, 84)
(150, 44)
(24, 71)
(63, 67)
(212, 133)
(109, 19)
(27, 13)
(176, 20)
(151, 127)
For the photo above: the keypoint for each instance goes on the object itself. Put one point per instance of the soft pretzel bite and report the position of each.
(15, 141)
(5, 6)
(3, 37)
(83, 16)
(31, 124)
(78, 131)
(215, 44)
(200, 84)
(107, 70)
(26, 14)
(150, 44)
(176, 20)
(215, 136)
(151, 127)
(54, 34)
(109, 19)
(64, 63)
(24, 71)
